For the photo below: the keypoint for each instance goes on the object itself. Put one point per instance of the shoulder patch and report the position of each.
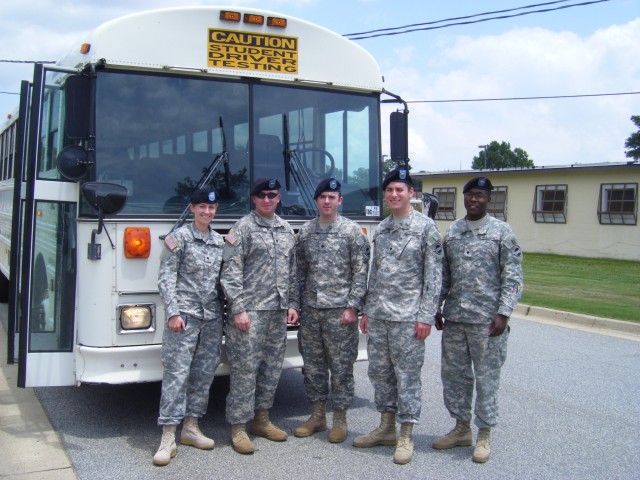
(230, 238)
(170, 242)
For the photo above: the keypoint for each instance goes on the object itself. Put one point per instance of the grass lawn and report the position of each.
(594, 286)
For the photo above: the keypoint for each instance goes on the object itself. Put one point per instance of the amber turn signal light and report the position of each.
(137, 242)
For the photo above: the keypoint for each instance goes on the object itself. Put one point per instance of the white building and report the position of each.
(588, 210)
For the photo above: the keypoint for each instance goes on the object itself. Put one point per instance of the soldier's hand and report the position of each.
(242, 321)
(349, 316)
(364, 324)
(439, 321)
(176, 323)
(498, 325)
(292, 316)
(422, 330)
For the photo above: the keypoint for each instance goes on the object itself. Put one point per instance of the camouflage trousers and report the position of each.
(396, 357)
(255, 361)
(190, 359)
(467, 345)
(328, 347)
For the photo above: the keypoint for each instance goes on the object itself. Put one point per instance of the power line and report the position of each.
(455, 18)
(502, 17)
(549, 97)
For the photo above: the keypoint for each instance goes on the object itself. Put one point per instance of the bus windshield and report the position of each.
(158, 135)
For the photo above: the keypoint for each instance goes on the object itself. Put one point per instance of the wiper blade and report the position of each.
(221, 158)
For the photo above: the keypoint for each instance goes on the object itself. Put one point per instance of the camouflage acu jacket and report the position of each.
(332, 264)
(259, 271)
(406, 270)
(190, 273)
(482, 274)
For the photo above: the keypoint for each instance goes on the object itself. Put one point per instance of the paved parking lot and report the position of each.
(569, 409)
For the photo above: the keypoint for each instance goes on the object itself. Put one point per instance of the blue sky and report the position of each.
(590, 49)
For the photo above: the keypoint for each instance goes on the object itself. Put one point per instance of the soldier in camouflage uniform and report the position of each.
(400, 307)
(482, 283)
(333, 262)
(259, 279)
(189, 287)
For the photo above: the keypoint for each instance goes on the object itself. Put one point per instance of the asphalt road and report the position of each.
(569, 409)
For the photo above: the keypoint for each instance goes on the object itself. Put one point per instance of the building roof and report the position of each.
(531, 170)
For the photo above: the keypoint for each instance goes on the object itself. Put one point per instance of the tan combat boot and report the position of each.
(338, 433)
(404, 447)
(483, 446)
(317, 422)
(262, 427)
(385, 434)
(167, 449)
(240, 440)
(460, 436)
(191, 435)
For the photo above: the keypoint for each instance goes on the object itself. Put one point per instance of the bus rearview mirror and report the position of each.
(106, 198)
(399, 136)
(76, 101)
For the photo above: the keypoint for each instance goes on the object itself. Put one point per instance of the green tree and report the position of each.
(388, 165)
(633, 142)
(360, 176)
(500, 155)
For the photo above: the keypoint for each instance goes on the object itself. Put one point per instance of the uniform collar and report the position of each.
(277, 221)
(330, 228)
(198, 234)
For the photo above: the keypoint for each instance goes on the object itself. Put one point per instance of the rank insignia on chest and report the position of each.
(230, 238)
(170, 242)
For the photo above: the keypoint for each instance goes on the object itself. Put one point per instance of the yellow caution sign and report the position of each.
(252, 51)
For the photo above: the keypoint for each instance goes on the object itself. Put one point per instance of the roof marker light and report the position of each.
(252, 18)
(277, 22)
(230, 16)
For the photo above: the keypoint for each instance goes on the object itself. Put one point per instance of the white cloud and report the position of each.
(523, 62)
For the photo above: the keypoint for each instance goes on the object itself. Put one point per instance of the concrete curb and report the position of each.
(577, 319)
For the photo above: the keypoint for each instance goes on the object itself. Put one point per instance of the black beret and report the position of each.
(203, 195)
(327, 185)
(264, 183)
(397, 175)
(483, 183)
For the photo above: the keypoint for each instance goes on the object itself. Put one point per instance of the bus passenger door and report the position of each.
(48, 263)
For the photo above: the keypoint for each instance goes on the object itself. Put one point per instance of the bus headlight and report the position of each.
(136, 317)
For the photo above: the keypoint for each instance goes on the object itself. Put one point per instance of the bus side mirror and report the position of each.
(399, 137)
(72, 162)
(107, 199)
(76, 106)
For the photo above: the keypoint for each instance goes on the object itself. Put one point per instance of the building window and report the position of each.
(446, 203)
(618, 204)
(550, 204)
(498, 204)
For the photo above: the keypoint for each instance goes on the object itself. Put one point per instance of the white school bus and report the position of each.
(109, 142)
